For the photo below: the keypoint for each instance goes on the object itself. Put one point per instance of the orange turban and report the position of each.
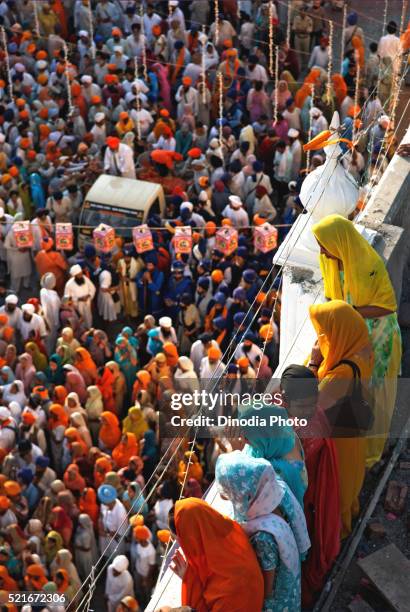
(113, 142)
(12, 488)
(194, 153)
(214, 352)
(43, 113)
(142, 533)
(20, 103)
(210, 228)
(164, 535)
(95, 100)
(14, 171)
(243, 362)
(186, 81)
(41, 55)
(156, 30)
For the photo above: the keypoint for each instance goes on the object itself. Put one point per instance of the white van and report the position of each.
(121, 203)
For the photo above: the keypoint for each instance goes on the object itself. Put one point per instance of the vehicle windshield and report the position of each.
(122, 222)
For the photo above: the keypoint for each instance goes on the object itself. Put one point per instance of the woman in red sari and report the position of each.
(322, 498)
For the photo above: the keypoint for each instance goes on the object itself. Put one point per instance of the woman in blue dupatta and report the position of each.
(126, 357)
(253, 489)
(37, 191)
(149, 454)
(134, 501)
(278, 444)
(128, 334)
(55, 372)
(7, 376)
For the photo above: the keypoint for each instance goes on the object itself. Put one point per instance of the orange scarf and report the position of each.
(110, 433)
(221, 561)
(123, 452)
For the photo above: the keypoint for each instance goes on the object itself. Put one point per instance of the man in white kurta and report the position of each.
(114, 524)
(82, 291)
(119, 159)
(50, 303)
(119, 582)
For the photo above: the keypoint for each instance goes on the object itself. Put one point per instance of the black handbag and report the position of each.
(351, 415)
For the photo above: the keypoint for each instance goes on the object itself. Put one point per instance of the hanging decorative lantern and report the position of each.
(226, 240)
(183, 239)
(142, 239)
(265, 238)
(22, 234)
(64, 236)
(104, 238)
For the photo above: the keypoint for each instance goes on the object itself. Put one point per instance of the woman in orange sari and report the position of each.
(142, 383)
(220, 562)
(88, 503)
(7, 583)
(86, 366)
(127, 448)
(110, 433)
(102, 466)
(73, 479)
(60, 394)
(194, 470)
(342, 334)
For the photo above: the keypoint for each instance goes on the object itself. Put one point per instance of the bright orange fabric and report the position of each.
(171, 353)
(8, 583)
(86, 365)
(110, 432)
(73, 479)
(102, 466)
(123, 452)
(57, 410)
(221, 561)
(88, 503)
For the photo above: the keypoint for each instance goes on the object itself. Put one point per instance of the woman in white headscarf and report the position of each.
(72, 404)
(256, 494)
(64, 560)
(35, 534)
(15, 393)
(185, 377)
(85, 547)
(77, 420)
(94, 406)
(50, 303)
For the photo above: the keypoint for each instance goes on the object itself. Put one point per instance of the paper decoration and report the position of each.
(104, 238)
(226, 240)
(22, 234)
(265, 238)
(142, 238)
(64, 236)
(183, 239)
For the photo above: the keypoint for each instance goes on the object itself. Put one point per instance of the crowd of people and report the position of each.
(94, 344)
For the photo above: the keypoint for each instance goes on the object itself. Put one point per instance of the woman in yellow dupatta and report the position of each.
(342, 334)
(354, 272)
